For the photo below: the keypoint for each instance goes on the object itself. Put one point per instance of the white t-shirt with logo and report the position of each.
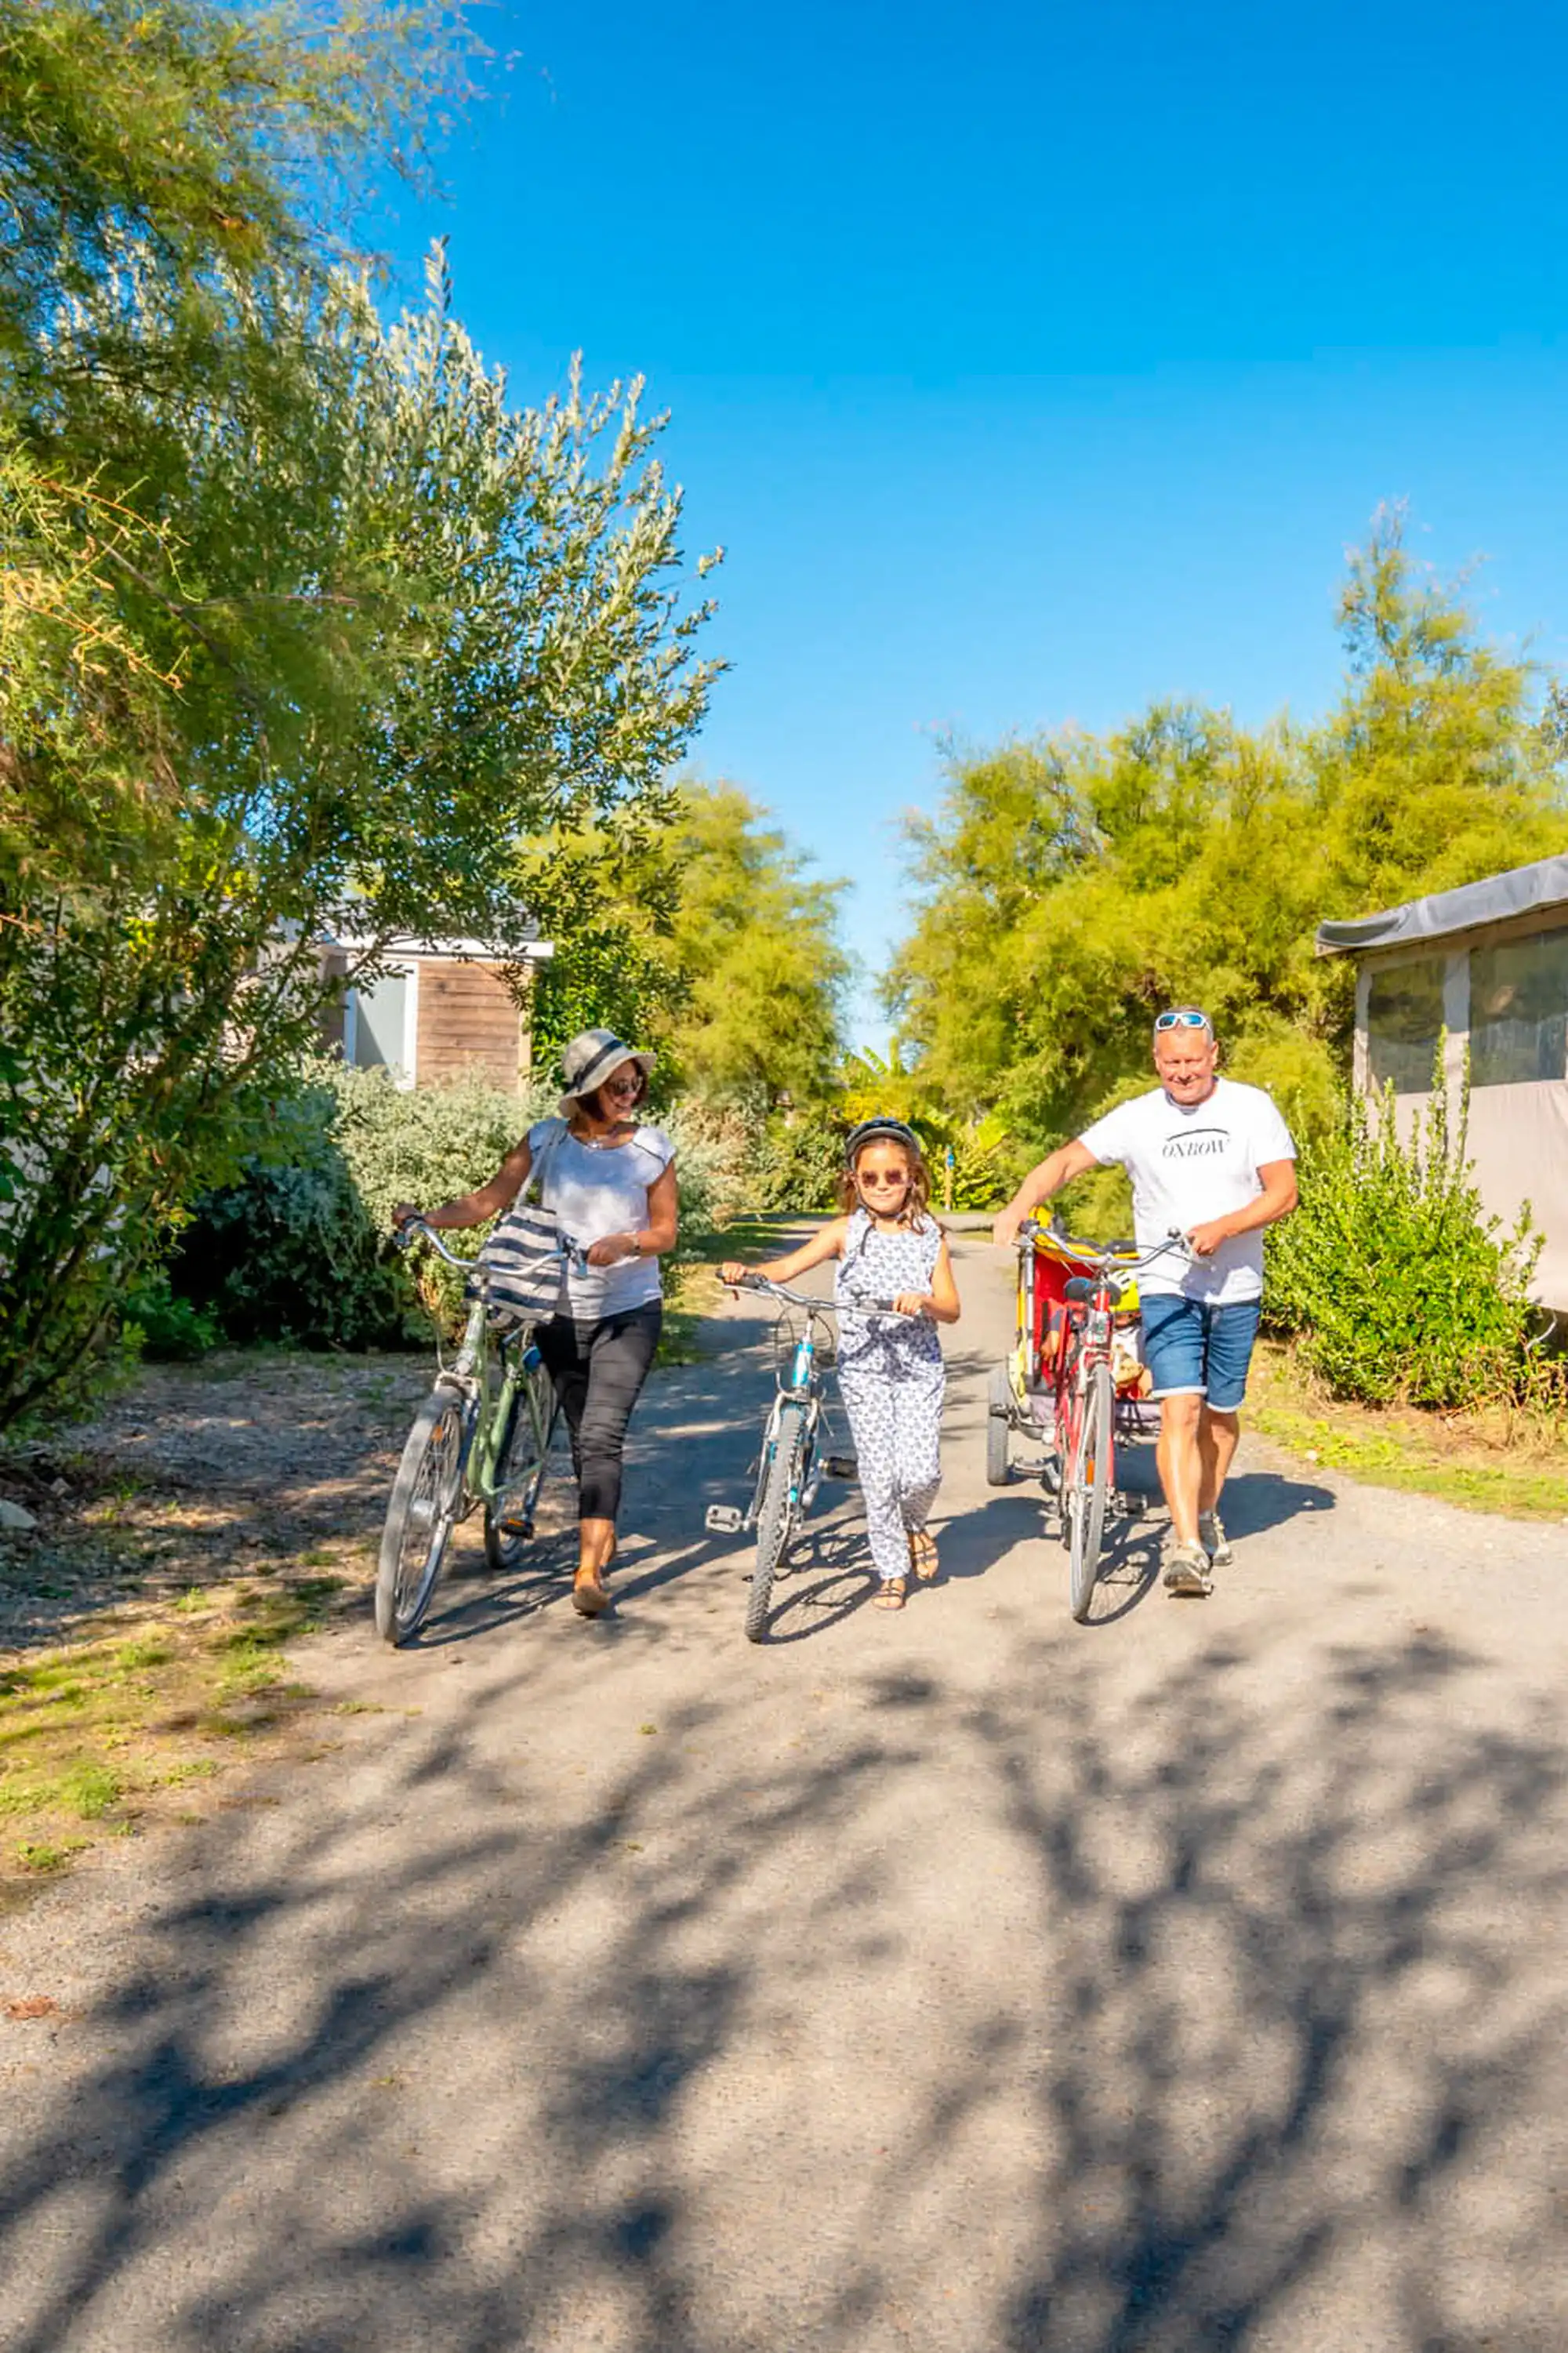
(1190, 1163)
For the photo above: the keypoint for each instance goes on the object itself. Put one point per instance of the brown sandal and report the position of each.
(922, 1555)
(891, 1596)
(590, 1596)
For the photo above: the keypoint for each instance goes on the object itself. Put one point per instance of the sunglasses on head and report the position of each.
(1185, 1017)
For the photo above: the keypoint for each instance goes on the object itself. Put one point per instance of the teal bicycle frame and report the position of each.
(802, 1384)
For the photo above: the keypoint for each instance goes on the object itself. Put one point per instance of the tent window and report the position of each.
(1518, 1011)
(1403, 1023)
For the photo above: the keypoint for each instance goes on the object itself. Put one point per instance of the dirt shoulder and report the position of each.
(205, 1520)
(202, 1520)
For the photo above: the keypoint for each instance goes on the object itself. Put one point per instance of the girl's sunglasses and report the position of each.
(1186, 1018)
(882, 1177)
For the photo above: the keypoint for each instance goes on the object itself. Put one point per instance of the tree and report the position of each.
(703, 933)
(1438, 767)
(1163, 863)
(754, 941)
(305, 625)
(194, 134)
(1069, 887)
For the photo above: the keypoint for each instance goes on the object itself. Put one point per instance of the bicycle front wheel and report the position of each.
(420, 1515)
(1088, 1488)
(782, 1483)
(520, 1462)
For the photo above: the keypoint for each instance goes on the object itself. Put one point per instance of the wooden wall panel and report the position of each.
(469, 1022)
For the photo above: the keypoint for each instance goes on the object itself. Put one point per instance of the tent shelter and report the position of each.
(1488, 965)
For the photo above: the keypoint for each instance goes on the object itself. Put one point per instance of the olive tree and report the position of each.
(304, 620)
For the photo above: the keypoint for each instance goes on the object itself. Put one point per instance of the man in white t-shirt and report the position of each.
(1213, 1161)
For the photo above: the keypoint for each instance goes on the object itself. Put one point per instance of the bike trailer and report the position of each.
(1057, 1259)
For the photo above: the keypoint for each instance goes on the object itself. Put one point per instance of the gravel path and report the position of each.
(959, 1980)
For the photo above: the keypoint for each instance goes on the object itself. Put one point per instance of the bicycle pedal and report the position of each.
(523, 1528)
(724, 1519)
(840, 1466)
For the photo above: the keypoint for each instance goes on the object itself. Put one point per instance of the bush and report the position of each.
(1400, 1285)
(157, 1324)
(290, 1251)
(714, 1151)
(795, 1167)
(300, 1247)
(425, 1143)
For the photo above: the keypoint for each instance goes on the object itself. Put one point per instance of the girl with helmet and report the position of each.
(888, 1246)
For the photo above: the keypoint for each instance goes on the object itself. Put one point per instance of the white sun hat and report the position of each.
(592, 1057)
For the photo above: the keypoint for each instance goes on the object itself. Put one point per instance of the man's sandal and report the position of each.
(922, 1555)
(891, 1596)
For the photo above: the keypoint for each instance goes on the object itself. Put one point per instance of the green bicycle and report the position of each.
(482, 1436)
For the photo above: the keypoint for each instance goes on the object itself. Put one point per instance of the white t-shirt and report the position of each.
(1189, 1164)
(599, 1189)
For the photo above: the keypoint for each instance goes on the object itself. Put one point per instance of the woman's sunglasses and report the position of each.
(1188, 1018)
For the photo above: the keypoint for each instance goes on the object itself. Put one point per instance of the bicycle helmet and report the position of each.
(896, 1131)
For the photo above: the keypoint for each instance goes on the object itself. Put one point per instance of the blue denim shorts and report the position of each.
(1194, 1349)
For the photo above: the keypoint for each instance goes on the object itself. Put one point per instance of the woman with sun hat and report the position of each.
(611, 1183)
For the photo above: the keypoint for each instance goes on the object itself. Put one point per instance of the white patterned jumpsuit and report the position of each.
(891, 1378)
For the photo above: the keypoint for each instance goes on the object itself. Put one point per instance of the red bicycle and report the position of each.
(1085, 1405)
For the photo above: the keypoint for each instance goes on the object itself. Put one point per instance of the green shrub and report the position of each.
(713, 1154)
(1399, 1285)
(795, 1166)
(425, 1143)
(158, 1324)
(290, 1251)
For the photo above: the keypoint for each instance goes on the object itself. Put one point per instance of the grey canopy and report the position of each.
(1522, 888)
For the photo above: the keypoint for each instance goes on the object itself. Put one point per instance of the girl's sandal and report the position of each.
(922, 1555)
(891, 1596)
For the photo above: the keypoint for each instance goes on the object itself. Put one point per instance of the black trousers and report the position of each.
(597, 1370)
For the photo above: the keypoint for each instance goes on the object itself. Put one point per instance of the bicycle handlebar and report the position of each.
(1108, 1262)
(417, 1230)
(772, 1290)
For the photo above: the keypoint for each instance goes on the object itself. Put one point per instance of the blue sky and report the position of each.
(1030, 361)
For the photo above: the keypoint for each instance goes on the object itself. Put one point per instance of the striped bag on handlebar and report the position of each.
(524, 1257)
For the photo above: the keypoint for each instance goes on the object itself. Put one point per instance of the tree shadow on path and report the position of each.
(1161, 2016)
